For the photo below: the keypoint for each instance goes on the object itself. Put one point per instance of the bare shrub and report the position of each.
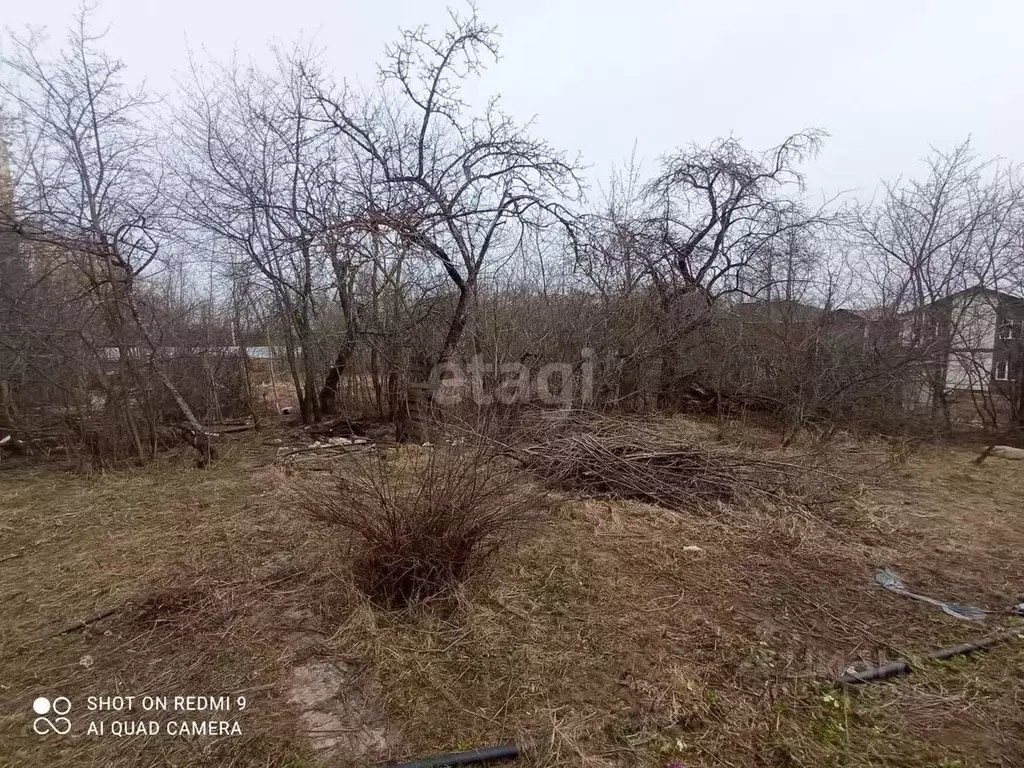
(422, 523)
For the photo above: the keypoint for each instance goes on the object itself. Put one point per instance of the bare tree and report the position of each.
(718, 207)
(463, 188)
(88, 189)
(712, 213)
(260, 173)
(926, 235)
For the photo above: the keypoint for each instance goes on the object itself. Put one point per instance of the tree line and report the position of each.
(371, 238)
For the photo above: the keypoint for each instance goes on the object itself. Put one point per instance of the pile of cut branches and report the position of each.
(624, 461)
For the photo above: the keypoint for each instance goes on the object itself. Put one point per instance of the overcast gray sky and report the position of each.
(885, 79)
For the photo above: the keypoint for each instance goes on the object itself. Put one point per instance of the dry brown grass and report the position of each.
(605, 635)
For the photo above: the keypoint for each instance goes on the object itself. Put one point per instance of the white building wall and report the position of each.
(973, 323)
(969, 370)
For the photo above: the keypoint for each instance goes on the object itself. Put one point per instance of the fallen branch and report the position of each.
(325, 448)
(985, 454)
(231, 429)
(627, 462)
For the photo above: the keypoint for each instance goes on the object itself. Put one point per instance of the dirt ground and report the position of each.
(621, 635)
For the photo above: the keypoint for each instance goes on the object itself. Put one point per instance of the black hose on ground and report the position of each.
(898, 668)
(472, 757)
(892, 669)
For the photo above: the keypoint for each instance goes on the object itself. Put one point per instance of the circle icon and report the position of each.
(41, 705)
(61, 705)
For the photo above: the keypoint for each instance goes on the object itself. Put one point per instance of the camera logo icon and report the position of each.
(60, 706)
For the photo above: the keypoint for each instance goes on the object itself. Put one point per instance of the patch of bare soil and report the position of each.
(337, 714)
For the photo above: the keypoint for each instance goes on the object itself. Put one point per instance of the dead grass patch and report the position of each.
(606, 635)
(613, 634)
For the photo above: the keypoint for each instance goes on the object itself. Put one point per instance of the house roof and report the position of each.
(778, 309)
(980, 289)
(794, 310)
(871, 314)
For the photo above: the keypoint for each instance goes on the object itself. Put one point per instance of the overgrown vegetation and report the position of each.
(265, 230)
(606, 634)
(424, 522)
(691, 416)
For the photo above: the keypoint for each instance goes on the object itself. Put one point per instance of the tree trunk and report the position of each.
(458, 324)
(331, 390)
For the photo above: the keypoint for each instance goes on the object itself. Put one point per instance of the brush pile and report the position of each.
(617, 460)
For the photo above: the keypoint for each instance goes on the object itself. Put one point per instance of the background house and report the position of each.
(972, 344)
(976, 334)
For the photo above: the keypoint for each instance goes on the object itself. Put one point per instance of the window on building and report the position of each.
(1002, 370)
(1011, 329)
